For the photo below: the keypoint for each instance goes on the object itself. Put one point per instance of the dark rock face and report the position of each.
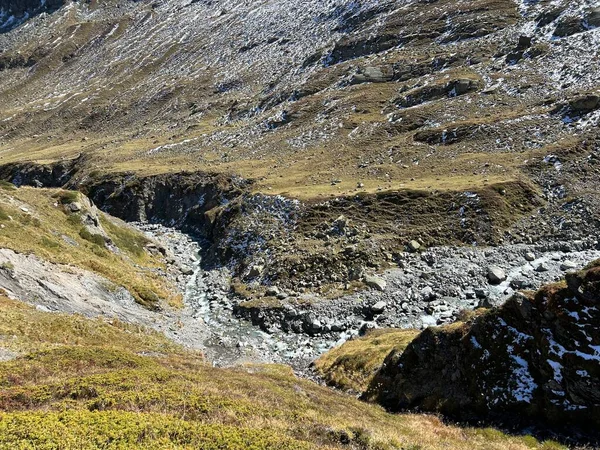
(533, 361)
(17, 11)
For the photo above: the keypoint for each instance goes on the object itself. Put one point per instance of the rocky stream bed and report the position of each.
(426, 289)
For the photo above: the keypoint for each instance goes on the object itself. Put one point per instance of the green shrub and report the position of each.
(7, 185)
(66, 197)
(49, 243)
(126, 239)
(146, 297)
(97, 239)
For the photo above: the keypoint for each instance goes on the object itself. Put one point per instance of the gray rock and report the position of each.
(593, 17)
(273, 291)
(256, 271)
(496, 275)
(375, 282)
(186, 270)
(313, 325)
(427, 293)
(378, 307)
(529, 256)
(481, 293)
(585, 103)
(75, 207)
(462, 86)
(414, 246)
(542, 268)
(366, 327)
(373, 75)
(568, 265)
(338, 326)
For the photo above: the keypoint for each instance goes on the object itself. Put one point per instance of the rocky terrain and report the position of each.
(298, 174)
(532, 360)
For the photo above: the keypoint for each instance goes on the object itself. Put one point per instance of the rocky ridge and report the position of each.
(532, 361)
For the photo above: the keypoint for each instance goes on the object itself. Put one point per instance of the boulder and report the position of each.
(585, 103)
(186, 270)
(273, 291)
(529, 256)
(496, 275)
(372, 74)
(256, 271)
(428, 321)
(463, 86)
(592, 18)
(568, 265)
(568, 26)
(378, 307)
(375, 282)
(414, 246)
(75, 207)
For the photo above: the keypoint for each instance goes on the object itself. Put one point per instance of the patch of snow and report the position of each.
(525, 384)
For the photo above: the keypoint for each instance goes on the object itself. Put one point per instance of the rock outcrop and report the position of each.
(533, 361)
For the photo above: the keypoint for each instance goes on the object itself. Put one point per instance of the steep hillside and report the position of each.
(441, 122)
(73, 383)
(296, 174)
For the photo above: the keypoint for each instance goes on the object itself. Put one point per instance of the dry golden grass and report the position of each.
(353, 365)
(86, 384)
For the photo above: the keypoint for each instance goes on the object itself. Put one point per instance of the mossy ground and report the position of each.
(88, 384)
(353, 365)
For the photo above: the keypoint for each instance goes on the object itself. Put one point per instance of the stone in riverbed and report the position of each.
(542, 268)
(273, 291)
(568, 265)
(375, 282)
(428, 321)
(378, 307)
(496, 275)
(414, 246)
(256, 271)
(186, 270)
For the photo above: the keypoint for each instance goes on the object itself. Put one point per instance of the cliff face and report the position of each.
(534, 360)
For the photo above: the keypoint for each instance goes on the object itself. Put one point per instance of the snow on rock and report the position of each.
(534, 359)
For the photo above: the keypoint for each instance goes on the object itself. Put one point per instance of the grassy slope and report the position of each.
(352, 366)
(42, 230)
(85, 384)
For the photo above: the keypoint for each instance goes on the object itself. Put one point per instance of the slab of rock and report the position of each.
(428, 321)
(186, 270)
(256, 271)
(273, 291)
(75, 207)
(414, 246)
